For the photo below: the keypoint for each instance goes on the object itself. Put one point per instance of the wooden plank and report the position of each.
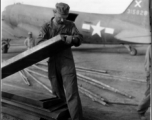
(44, 103)
(32, 56)
(34, 111)
(19, 114)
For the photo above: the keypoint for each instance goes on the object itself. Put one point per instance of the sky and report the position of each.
(94, 6)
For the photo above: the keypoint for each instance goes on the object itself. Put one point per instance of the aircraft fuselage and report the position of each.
(128, 27)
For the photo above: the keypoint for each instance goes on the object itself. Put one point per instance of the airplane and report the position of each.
(128, 27)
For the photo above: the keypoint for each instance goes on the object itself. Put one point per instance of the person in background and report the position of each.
(29, 41)
(144, 105)
(61, 67)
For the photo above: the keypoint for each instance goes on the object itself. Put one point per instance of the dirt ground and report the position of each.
(95, 111)
(116, 61)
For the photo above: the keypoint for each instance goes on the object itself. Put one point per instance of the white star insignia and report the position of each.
(97, 29)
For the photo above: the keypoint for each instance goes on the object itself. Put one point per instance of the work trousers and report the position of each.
(144, 105)
(66, 88)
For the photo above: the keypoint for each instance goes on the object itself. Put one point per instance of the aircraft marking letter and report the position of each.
(138, 3)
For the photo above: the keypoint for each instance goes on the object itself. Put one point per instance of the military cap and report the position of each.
(62, 8)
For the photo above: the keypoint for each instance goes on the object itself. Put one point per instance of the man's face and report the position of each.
(60, 18)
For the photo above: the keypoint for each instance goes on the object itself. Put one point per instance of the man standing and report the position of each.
(29, 41)
(144, 105)
(61, 67)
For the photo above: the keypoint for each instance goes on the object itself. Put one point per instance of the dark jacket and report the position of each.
(63, 61)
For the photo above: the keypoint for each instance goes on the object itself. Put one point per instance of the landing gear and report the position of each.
(131, 50)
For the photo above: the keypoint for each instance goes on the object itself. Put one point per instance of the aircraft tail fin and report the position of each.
(138, 7)
(138, 12)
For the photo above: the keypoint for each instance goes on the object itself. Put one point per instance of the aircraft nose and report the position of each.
(6, 14)
(3, 15)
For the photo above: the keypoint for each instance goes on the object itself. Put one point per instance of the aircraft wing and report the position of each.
(140, 36)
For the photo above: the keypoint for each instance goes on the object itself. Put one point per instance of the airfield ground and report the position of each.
(112, 58)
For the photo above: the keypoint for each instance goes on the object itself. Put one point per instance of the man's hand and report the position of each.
(68, 39)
